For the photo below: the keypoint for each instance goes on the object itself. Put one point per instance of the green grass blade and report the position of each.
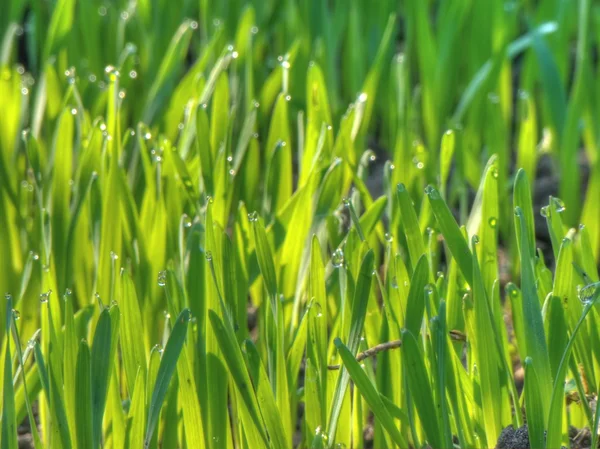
(420, 388)
(357, 321)
(451, 232)
(239, 374)
(167, 366)
(370, 393)
(265, 398)
(83, 387)
(533, 406)
(9, 422)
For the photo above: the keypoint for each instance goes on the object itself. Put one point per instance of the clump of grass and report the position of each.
(194, 248)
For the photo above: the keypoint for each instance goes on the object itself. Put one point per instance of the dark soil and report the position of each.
(512, 438)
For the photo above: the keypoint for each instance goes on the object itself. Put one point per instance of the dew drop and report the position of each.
(186, 220)
(493, 222)
(545, 212)
(587, 294)
(162, 278)
(432, 192)
(389, 237)
(394, 282)
(68, 292)
(254, 30)
(44, 297)
(133, 74)
(194, 25)
(112, 72)
(208, 255)
(559, 205)
(337, 258)
(253, 216)
(319, 310)
(167, 315)
(113, 255)
(16, 314)
(362, 97)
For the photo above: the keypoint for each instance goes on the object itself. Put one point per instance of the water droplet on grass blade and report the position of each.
(388, 237)
(16, 314)
(587, 294)
(337, 258)
(493, 222)
(559, 205)
(158, 348)
(253, 217)
(432, 193)
(162, 278)
(44, 297)
(208, 255)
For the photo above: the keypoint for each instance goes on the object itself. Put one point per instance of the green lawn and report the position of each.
(299, 223)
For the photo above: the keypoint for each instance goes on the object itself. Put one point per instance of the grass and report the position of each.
(194, 254)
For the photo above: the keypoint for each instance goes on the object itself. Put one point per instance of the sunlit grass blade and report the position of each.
(369, 392)
(359, 308)
(239, 374)
(451, 232)
(420, 388)
(166, 369)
